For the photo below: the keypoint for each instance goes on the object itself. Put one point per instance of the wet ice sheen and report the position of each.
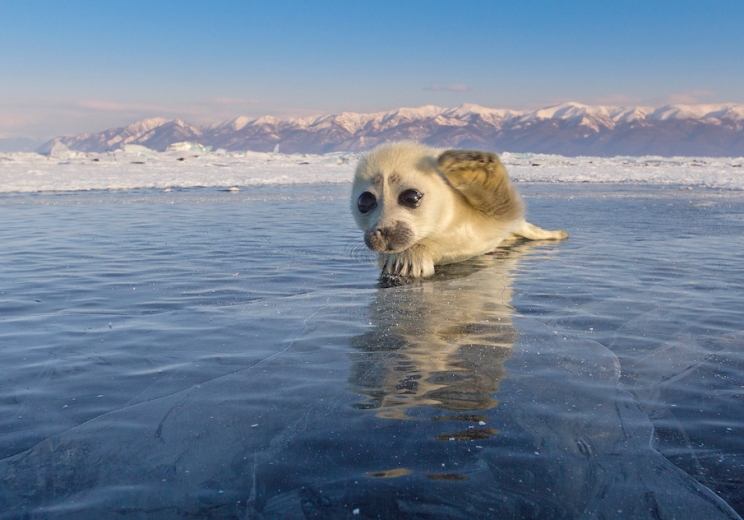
(601, 377)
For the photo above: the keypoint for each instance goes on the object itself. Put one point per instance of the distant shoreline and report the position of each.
(187, 167)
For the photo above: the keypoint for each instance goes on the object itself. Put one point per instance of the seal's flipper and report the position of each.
(483, 181)
(531, 232)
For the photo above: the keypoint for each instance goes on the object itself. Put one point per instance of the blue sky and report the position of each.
(84, 66)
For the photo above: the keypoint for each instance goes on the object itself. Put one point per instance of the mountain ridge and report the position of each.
(569, 129)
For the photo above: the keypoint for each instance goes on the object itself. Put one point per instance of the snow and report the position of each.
(467, 109)
(704, 172)
(266, 120)
(629, 115)
(733, 112)
(415, 113)
(679, 112)
(188, 164)
(239, 123)
(609, 116)
(145, 125)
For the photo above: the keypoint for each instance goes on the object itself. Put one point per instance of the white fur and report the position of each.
(446, 227)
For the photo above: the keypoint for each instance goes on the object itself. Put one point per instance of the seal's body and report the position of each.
(420, 207)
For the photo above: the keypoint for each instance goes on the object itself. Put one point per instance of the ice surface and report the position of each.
(189, 164)
(600, 377)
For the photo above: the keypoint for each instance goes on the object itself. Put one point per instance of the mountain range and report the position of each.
(569, 129)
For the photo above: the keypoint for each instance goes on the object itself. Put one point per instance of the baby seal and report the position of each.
(420, 207)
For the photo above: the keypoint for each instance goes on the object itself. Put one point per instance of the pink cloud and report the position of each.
(688, 97)
(457, 87)
(15, 121)
(112, 106)
(228, 101)
(616, 100)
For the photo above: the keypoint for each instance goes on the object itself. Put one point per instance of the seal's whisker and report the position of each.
(359, 252)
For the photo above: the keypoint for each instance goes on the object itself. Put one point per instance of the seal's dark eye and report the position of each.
(410, 198)
(367, 202)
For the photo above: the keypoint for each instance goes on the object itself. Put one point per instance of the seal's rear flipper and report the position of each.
(531, 232)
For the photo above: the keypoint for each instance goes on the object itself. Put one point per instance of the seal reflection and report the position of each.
(440, 343)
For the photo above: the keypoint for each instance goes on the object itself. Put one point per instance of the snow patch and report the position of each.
(66, 170)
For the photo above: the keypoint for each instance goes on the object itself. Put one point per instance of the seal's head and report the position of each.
(398, 196)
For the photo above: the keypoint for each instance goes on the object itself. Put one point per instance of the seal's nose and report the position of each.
(376, 239)
(389, 238)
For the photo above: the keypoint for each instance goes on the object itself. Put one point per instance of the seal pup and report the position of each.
(420, 207)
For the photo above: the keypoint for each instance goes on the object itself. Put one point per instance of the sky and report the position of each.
(85, 66)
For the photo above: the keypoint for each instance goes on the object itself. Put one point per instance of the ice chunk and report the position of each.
(139, 150)
(59, 149)
(187, 146)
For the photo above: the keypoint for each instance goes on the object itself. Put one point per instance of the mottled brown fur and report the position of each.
(483, 181)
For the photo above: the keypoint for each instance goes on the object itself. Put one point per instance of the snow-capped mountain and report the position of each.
(569, 129)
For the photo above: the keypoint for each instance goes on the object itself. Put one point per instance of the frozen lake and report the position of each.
(207, 354)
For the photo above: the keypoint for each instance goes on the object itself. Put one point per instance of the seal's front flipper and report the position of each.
(414, 262)
(483, 181)
(531, 232)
